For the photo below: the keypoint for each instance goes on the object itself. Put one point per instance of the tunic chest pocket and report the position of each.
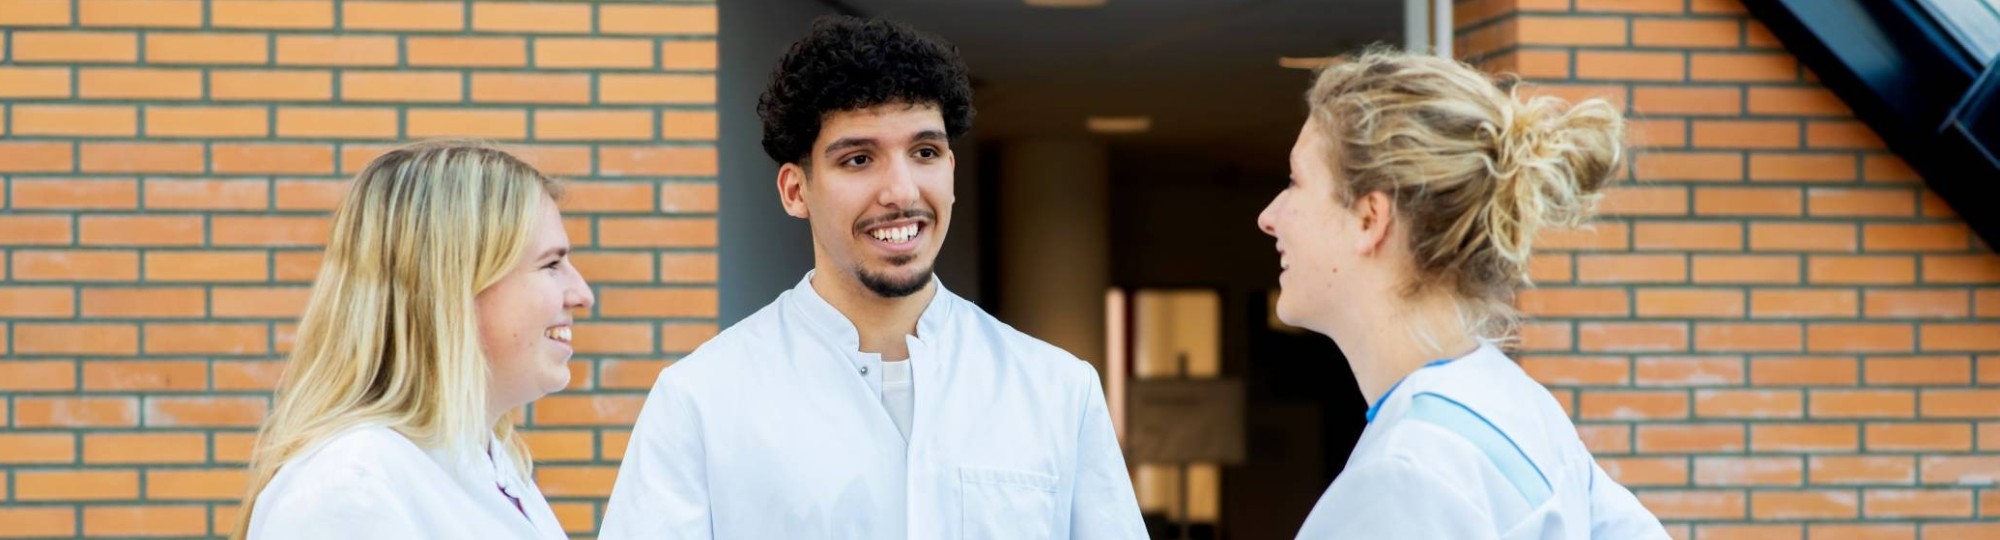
(1006, 504)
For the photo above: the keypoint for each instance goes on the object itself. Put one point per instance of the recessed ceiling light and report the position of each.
(1065, 3)
(1118, 124)
(1308, 62)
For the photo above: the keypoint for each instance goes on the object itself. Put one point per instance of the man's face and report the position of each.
(878, 194)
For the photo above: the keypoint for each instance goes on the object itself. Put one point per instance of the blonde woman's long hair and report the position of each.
(1474, 168)
(391, 335)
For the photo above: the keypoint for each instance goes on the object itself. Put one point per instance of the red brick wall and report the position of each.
(168, 167)
(1776, 331)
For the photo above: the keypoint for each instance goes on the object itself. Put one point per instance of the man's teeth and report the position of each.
(895, 234)
(560, 333)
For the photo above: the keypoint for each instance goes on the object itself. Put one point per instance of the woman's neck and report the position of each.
(1392, 345)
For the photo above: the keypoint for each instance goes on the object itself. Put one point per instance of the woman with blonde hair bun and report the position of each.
(1418, 186)
(443, 306)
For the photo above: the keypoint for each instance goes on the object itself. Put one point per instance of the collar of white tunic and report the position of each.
(478, 471)
(826, 321)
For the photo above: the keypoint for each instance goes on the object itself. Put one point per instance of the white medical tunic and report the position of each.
(372, 482)
(1474, 448)
(777, 429)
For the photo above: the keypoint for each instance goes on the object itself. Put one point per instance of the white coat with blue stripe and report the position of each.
(1475, 448)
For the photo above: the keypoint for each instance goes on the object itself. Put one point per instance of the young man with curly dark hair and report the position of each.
(869, 402)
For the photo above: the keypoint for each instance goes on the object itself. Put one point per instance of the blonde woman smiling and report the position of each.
(443, 306)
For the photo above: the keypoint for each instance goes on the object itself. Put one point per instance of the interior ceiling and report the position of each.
(1205, 71)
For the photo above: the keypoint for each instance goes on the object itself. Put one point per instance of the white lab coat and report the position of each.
(1474, 448)
(372, 482)
(776, 429)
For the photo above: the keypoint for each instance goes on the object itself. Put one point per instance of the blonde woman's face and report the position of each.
(1311, 227)
(524, 319)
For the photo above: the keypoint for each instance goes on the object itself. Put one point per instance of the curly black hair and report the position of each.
(850, 63)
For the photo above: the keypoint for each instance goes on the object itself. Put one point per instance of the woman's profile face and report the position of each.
(524, 319)
(1312, 228)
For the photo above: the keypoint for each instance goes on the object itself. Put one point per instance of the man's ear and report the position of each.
(1376, 214)
(791, 190)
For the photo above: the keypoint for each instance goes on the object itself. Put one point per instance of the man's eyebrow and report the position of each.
(846, 143)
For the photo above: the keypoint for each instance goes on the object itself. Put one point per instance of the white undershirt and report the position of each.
(897, 396)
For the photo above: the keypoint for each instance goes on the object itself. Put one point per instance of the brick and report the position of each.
(1545, 336)
(401, 87)
(1746, 269)
(1842, 531)
(205, 266)
(269, 230)
(1748, 337)
(530, 18)
(1627, 6)
(1987, 300)
(287, 85)
(1815, 371)
(579, 517)
(703, 55)
(31, 230)
(1961, 531)
(566, 445)
(1805, 438)
(599, 197)
(1570, 30)
(36, 375)
(1753, 201)
(1688, 236)
(1982, 268)
(1804, 504)
(1748, 471)
(1915, 503)
(207, 49)
(77, 120)
(25, 302)
(21, 157)
(293, 14)
(689, 125)
(36, 13)
(689, 197)
(148, 520)
(593, 125)
(233, 447)
(1960, 470)
(1887, 168)
(195, 484)
(656, 232)
(1953, 403)
(1631, 405)
(611, 338)
(337, 122)
(543, 88)
(34, 82)
(1916, 237)
(1743, 67)
(1808, 237)
(576, 480)
(1749, 404)
(1765, 134)
(342, 51)
(1796, 101)
(139, 230)
(1631, 268)
(1683, 505)
(603, 53)
(1588, 370)
(1675, 99)
(77, 265)
(1649, 471)
(600, 267)
(252, 158)
(1574, 302)
(207, 122)
(142, 157)
(1692, 33)
(1627, 65)
(1919, 436)
(1861, 269)
(139, 83)
(207, 338)
(426, 51)
(76, 485)
(1803, 303)
(1935, 370)
(72, 46)
(411, 16)
(309, 194)
(204, 411)
(177, 194)
(185, 375)
(570, 410)
(1605, 439)
(262, 302)
(75, 412)
(1835, 470)
(1689, 303)
(140, 13)
(625, 89)
(1683, 371)
(38, 520)
(656, 19)
(684, 337)
(1850, 337)
(1633, 337)
(483, 123)
(1802, 168)
(1550, 268)
(298, 266)
(1918, 303)
(260, 375)
(1594, 236)
(1841, 135)
(1747, 531)
(1863, 403)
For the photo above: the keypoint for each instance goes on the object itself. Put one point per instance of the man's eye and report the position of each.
(857, 161)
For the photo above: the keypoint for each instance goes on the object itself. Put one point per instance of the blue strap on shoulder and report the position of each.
(1514, 464)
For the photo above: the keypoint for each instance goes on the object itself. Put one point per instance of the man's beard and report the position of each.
(887, 287)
